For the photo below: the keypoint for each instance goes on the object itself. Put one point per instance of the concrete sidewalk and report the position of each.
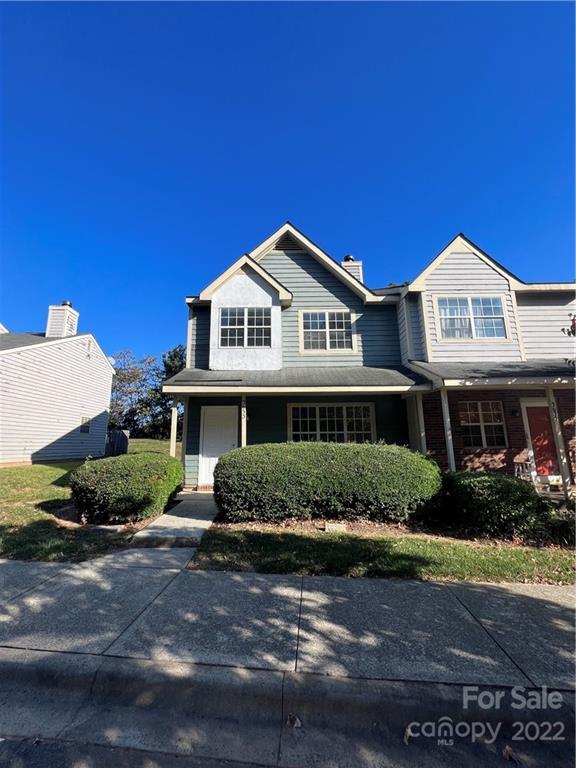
(143, 603)
(135, 632)
(182, 526)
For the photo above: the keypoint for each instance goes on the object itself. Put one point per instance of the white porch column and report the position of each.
(421, 425)
(559, 441)
(186, 401)
(447, 430)
(243, 422)
(173, 427)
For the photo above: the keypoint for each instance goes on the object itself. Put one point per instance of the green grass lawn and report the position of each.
(31, 497)
(410, 556)
(155, 446)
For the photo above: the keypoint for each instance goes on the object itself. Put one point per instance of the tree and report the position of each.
(158, 405)
(130, 388)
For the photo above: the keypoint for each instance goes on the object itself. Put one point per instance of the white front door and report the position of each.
(218, 434)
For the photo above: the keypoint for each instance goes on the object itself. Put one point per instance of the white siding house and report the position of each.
(54, 394)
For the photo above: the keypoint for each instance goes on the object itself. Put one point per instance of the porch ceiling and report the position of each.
(320, 379)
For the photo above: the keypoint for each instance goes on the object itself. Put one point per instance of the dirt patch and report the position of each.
(367, 528)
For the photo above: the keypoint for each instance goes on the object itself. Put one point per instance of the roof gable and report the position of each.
(460, 244)
(284, 295)
(17, 342)
(288, 237)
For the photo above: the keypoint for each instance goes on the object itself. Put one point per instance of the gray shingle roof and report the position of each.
(17, 340)
(326, 376)
(525, 369)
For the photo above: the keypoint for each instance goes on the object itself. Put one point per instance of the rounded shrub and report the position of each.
(337, 480)
(125, 488)
(490, 504)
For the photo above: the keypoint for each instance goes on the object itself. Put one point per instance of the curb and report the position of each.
(262, 716)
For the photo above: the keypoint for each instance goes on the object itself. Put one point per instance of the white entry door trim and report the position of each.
(218, 434)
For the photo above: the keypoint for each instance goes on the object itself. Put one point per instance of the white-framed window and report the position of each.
(85, 424)
(482, 424)
(331, 422)
(471, 317)
(326, 330)
(245, 327)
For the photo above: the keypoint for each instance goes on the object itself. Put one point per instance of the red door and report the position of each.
(542, 439)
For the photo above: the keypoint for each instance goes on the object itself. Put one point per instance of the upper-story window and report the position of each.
(245, 327)
(327, 330)
(471, 317)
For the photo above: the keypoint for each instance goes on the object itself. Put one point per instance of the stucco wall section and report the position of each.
(245, 289)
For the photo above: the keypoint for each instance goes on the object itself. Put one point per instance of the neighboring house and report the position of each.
(466, 362)
(54, 392)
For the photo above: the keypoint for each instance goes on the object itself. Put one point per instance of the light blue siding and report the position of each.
(200, 341)
(313, 286)
(268, 421)
(268, 416)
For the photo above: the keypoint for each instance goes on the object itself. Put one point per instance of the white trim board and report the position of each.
(538, 381)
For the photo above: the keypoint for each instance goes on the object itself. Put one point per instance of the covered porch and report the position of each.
(515, 418)
(224, 410)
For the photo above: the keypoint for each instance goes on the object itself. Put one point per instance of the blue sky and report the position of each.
(146, 146)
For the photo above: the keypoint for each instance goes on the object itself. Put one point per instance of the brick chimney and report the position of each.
(354, 267)
(62, 320)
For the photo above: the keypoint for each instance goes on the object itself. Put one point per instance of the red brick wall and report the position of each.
(492, 459)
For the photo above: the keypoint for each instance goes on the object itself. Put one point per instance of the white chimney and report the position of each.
(354, 267)
(62, 320)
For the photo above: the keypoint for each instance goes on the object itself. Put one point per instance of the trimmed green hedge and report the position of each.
(125, 488)
(491, 504)
(337, 480)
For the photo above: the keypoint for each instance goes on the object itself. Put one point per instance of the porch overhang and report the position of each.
(307, 380)
(519, 375)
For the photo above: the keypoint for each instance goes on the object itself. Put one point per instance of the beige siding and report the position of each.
(45, 391)
(542, 316)
(466, 274)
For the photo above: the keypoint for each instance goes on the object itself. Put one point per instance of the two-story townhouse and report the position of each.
(289, 344)
(498, 363)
